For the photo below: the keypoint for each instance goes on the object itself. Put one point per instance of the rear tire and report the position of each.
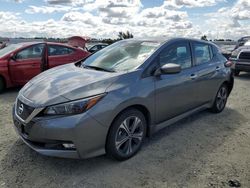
(236, 72)
(126, 135)
(2, 85)
(220, 99)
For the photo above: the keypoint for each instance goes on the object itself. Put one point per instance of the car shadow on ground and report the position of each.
(176, 148)
(10, 90)
(9, 95)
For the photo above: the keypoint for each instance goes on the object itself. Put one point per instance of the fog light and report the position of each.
(69, 146)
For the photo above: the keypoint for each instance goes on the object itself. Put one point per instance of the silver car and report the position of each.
(109, 102)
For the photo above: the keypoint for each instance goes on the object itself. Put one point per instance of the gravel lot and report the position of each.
(205, 150)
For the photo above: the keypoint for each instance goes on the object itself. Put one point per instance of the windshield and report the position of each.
(121, 56)
(8, 49)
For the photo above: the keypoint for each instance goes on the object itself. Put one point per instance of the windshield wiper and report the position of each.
(97, 68)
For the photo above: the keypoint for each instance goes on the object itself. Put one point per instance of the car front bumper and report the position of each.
(46, 135)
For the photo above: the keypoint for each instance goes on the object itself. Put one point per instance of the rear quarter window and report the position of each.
(217, 53)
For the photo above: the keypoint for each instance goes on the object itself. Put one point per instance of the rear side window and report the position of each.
(178, 53)
(31, 52)
(202, 53)
(56, 50)
(218, 54)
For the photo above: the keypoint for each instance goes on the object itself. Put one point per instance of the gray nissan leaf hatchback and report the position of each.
(110, 101)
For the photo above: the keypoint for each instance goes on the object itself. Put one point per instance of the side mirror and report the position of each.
(169, 68)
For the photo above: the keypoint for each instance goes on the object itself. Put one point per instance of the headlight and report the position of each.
(74, 107)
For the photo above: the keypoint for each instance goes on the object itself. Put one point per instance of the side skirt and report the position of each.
(157, 127)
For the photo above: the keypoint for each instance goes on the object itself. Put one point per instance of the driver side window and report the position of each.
(179, 54)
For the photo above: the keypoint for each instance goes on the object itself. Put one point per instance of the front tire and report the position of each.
(126, 135)
(220, 100)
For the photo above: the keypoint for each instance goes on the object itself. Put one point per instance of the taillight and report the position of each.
(228, 64)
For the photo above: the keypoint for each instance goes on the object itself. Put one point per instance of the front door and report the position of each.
(26, 64)
(174, 93)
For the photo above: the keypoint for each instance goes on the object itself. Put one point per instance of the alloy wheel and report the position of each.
(221, 98)
(129, 135)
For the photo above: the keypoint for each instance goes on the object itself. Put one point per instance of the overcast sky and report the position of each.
(105, 18)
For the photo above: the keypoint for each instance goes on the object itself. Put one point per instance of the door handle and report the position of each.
(193, 76)
(217, 68)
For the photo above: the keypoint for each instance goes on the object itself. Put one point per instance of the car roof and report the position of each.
(24, 44)
(163, 40)
(244, 38)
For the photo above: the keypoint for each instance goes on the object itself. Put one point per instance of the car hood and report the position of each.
(65, 83)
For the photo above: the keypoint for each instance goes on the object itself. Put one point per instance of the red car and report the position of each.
(21, 62)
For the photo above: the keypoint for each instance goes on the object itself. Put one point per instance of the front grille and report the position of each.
(244, 55)
(23, 110)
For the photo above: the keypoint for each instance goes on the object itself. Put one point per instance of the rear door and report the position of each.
(59, 55)
(175, 93)
(26, 64)
(208, 69)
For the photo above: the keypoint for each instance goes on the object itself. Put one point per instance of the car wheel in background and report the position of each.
(126, 134)
(220, 100)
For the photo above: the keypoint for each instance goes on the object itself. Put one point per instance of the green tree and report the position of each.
(125, 35)
(204, 37)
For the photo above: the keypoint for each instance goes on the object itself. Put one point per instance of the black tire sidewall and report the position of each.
(110, 144)
(2, 85)
(215, 108)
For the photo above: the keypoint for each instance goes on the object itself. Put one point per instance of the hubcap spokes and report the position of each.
(221, 98)
(129, 135)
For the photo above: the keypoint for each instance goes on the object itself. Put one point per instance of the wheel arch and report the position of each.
(139, 107)
(229, 85)
(142, 109)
